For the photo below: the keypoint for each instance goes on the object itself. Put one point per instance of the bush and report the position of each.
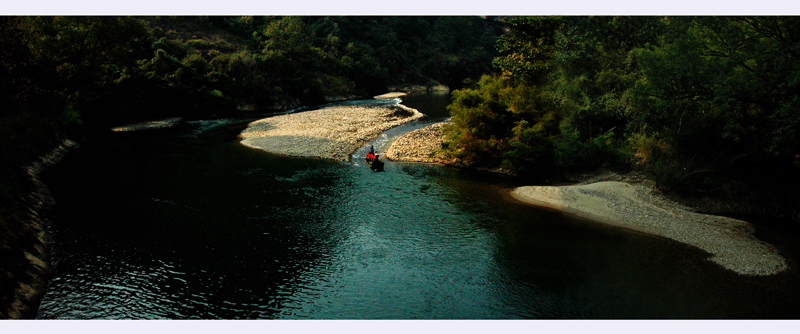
(198, 44)
(572, 154)
(531, 154)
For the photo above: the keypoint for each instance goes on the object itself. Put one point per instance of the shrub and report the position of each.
(531, 154)
(198, 44)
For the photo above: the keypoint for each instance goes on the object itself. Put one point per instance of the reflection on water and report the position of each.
(186, 223)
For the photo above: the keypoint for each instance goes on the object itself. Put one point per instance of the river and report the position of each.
(186, 223)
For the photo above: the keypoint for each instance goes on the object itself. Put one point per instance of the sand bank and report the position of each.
(159, 124)
(632, 205)
(329, 133)
(391, 95)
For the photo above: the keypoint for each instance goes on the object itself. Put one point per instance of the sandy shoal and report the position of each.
(390, 95)
(632, 205)
(329, 133)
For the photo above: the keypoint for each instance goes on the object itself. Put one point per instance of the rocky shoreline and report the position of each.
(636, 206)
(23, 302)
(420, 145)
(332, 133)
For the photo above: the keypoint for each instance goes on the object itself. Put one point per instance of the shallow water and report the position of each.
(185, 222)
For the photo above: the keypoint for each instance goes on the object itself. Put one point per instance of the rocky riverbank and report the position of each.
(636, 206)
(330, 133)
(420, 145)
(423, 145)
(27, 270)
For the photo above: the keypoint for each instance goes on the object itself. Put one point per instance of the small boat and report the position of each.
(374, 162)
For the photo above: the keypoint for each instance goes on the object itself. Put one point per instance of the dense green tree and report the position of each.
(18, 85)
(529, 48)
(724, 96)
(565, 105)
(85, 55)
(500, 124)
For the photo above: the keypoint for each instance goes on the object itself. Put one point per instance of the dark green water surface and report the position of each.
(185, 222)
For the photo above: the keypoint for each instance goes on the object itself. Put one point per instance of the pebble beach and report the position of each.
(634, 205)
(330, 133)
(418, 146)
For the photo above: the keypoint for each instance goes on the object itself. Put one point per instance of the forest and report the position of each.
(705, 106)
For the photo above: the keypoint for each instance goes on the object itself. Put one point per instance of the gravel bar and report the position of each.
(330, 133)
(418, 145)
(635, 206)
